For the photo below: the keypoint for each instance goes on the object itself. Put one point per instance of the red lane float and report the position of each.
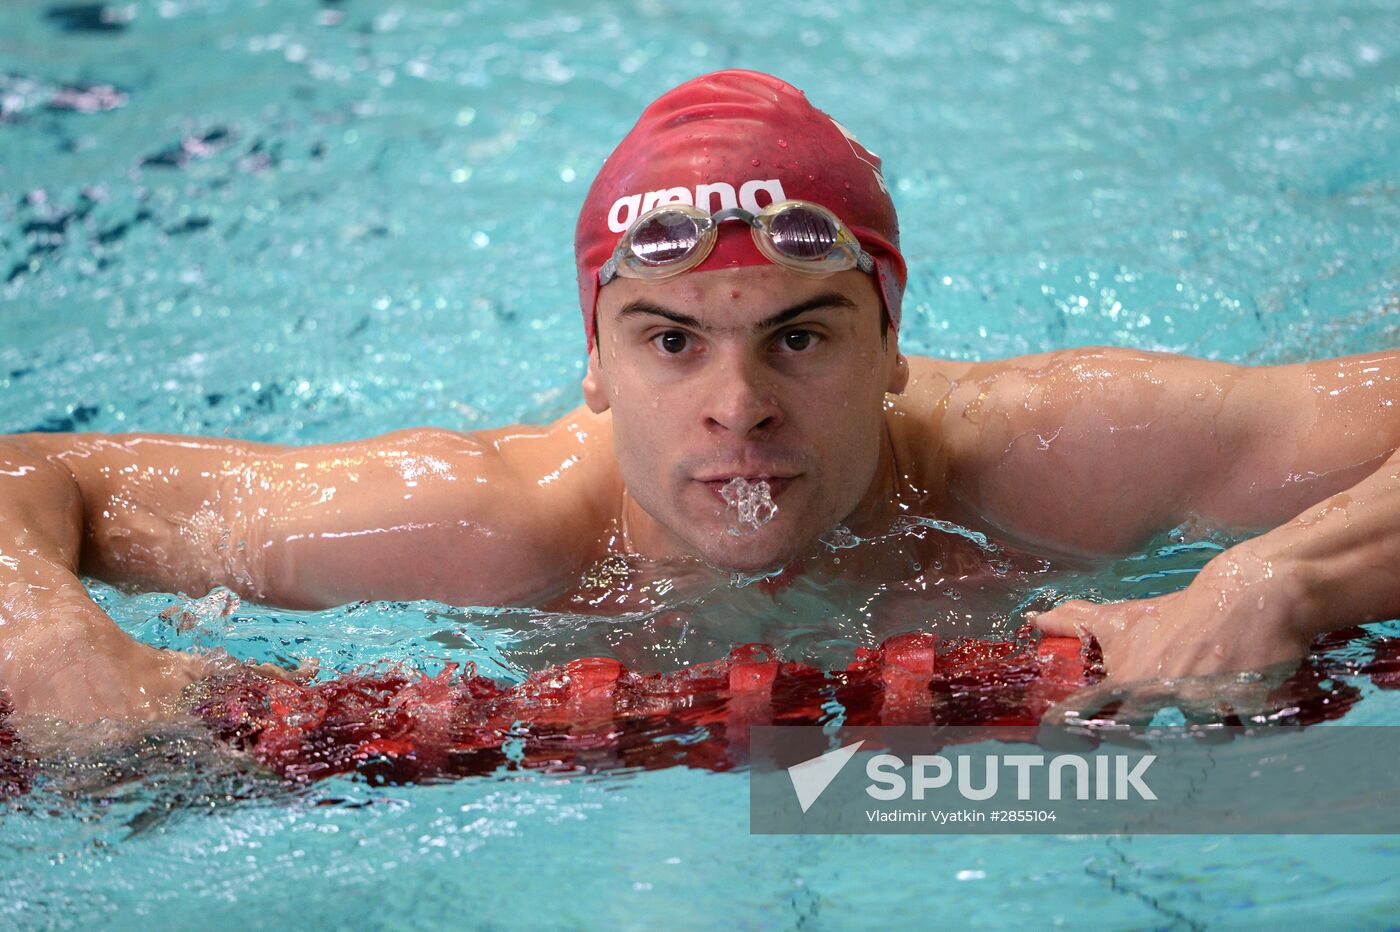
(594, 713)
(16, 774)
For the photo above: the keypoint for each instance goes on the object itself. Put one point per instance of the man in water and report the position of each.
(741, 279)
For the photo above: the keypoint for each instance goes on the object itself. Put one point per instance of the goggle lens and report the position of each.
(803, 234)
(675, 238)
(665, 238)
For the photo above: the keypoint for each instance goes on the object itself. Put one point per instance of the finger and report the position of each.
(302, 674)
(1246, 694)
(1095, 703)
(1070, 620)
(190, 667)
(275, 672)
(1195, 699)
(1114, 701)
(307, 668)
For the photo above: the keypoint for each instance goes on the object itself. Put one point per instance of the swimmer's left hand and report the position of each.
(1239, 614)
(304, 673)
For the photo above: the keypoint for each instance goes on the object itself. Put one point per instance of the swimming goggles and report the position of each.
(674, 238)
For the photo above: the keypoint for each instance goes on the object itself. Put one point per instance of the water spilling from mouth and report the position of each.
(751, 504)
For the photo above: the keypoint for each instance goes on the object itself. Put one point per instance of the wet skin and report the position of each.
(717, 376)
(753, 372)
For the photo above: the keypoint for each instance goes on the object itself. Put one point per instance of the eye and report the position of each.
(799, 341)
(672, 342)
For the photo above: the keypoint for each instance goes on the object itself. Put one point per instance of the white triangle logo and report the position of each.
(811, 777)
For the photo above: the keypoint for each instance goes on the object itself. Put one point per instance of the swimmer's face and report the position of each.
(753, 372)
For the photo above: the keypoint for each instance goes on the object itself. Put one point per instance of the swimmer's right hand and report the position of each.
(61, 656)
(108, 679)
(122, 679)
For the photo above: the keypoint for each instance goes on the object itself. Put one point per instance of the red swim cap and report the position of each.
(737, 139)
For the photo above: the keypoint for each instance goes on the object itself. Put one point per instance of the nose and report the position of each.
(739, 398)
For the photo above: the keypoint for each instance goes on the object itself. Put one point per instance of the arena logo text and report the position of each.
(626, 209)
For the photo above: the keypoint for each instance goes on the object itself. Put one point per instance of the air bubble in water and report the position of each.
(751, 504)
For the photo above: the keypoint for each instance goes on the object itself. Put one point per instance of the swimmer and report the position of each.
(741, 282)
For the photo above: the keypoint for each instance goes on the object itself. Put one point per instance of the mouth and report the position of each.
(776, 484)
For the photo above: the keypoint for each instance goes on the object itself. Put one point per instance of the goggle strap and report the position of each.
(608, 272)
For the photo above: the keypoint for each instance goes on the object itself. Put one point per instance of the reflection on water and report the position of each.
(119, 789)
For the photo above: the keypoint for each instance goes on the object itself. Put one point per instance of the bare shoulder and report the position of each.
(489, 517)
(929, 420)
(1053, 446)
(981, 405)
(559, 475)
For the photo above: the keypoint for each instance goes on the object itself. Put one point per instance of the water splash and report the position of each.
(751, 504)
(739, 580)
(842, 538)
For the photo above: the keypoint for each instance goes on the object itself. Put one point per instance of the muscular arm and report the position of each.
(1092, 451)
(412, 514)
(1095, 450)
(1263, 601)
(415, 514)
(59, 653)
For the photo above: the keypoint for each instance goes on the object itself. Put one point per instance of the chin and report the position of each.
(762, 551)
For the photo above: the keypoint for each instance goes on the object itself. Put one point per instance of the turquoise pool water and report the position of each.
(298, 222)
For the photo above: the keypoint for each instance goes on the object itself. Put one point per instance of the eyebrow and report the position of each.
(826, 299)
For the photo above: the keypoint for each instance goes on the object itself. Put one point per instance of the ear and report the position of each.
(899, 375)
(595, 394)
